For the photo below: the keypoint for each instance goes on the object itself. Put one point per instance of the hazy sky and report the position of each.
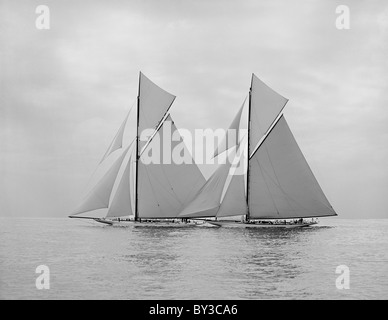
(64, 91)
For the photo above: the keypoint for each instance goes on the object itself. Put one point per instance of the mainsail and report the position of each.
(282, 184)
(165, 188)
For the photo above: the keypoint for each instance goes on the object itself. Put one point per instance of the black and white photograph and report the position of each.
(207, 152)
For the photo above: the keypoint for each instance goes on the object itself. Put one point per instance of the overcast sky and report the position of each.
(65, 91)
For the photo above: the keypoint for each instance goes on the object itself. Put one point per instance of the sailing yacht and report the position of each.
(278, 186)
(132, 191)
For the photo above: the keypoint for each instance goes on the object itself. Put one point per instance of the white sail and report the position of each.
(281, 183)
(98, 197)
(163, 189)
(154, 103)
(121, 205)
(266, 105)
(234, 201)
(117, 141)
(207, 201)
(226, 142)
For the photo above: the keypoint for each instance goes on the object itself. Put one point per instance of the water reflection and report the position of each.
(264, 259)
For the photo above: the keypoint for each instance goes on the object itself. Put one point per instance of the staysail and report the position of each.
(282, 184)
(121, 205)
(234, 202)
(207, 201)
(234, 128)
(99, 196)
(164, 186)
(117, 141)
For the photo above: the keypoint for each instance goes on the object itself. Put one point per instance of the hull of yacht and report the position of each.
(148, 223)
(238, 224)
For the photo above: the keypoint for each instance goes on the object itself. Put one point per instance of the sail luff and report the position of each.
(137, 152)
(249, 144)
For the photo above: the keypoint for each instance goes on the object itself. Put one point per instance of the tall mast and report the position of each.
(249, 142)
(137, 152)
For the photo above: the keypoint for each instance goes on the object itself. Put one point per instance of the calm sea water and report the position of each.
(92, 261)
